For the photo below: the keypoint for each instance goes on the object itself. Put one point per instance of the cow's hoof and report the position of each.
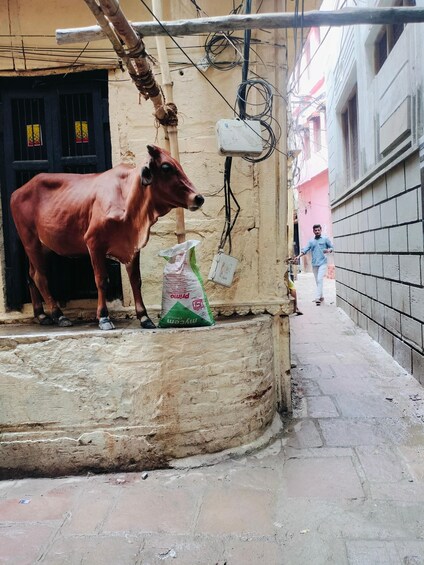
(146, 323)
(106, 324)
(44, 320)
(64, 322)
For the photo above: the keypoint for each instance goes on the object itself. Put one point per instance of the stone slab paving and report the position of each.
(344, 484)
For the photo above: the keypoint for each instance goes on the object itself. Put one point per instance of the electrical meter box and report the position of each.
(222, 269)
(239, 137)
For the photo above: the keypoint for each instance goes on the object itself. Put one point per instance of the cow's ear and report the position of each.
(146, 176)
(153, 151)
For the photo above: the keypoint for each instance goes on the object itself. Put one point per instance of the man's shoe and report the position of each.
(318, 302)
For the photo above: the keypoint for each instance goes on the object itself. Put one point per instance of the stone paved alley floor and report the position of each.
(343, 485)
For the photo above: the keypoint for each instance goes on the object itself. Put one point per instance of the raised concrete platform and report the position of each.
(79, 399)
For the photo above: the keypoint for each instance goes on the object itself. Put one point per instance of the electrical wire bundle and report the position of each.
(262, 113)
(217, 44)
(260, 110)
(229, 199)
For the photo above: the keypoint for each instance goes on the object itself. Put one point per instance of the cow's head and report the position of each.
(170, 186)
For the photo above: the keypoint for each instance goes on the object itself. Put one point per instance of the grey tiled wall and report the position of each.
(379, 242)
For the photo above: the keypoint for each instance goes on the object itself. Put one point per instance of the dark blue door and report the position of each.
(52, 124)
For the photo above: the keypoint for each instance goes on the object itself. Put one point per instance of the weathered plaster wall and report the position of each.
(257, 240)
(77, 400)
(259, 237)
(29, 28)
(200, 160)
(259, 243)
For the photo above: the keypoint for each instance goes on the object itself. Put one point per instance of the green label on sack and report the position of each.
(181, 316)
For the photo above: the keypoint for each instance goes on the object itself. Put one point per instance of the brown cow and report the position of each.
(101, 214)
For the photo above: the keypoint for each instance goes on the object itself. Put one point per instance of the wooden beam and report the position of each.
(107, 30)
(343, 17)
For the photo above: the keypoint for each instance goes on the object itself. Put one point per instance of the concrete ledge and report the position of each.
(80, 399)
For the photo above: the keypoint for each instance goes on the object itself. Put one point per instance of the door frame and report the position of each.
(50, 88)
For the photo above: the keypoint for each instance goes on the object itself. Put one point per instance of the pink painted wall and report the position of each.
(309, 128)
(314, 208)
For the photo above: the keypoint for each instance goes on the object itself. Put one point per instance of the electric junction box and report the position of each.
(239, 137)
(222, 269)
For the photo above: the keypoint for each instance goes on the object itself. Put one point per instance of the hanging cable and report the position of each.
(245, 68)
(228, 193)
(269, 138)
(230, 199)
(264, 93)
(220, 43)
(198, 8)
(263, 114)
(217, 44)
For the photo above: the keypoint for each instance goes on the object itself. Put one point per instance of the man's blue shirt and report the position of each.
(317, 246)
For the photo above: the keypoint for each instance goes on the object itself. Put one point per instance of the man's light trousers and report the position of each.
(319, 274)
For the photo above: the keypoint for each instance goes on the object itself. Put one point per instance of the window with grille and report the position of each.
(306, 143)
(349, 119)
(388, 37)
(316, 128)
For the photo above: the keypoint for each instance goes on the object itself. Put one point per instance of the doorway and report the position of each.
(52, 124)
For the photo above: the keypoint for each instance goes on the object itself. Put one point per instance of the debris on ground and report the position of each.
(170, 553)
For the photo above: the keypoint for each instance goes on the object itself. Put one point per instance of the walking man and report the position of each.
(319, 246)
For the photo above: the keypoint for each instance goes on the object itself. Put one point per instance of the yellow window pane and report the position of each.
(81, 132)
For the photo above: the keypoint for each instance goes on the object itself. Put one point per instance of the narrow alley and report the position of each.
(343, 485)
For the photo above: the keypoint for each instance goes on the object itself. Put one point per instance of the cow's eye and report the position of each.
(167, 168)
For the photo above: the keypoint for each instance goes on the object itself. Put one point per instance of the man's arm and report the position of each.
(330, 246)
(304, 251)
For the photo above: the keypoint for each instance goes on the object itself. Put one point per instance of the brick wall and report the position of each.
(378, 235)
